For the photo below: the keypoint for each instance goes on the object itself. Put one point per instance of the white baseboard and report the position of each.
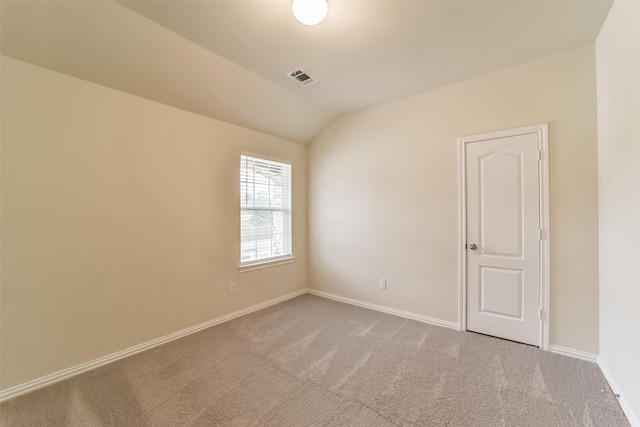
(571, 352)
(401, 313)
(101, 361)
(634, 419)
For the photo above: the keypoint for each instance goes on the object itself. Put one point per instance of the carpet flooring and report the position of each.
(311, 361)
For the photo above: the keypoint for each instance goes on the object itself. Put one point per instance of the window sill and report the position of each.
(265, 264)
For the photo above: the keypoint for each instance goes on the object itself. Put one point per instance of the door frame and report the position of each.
(543, 181)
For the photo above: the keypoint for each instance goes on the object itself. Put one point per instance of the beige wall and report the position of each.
(383, 192)
(618, 71)
(120, 221)
(119, 215)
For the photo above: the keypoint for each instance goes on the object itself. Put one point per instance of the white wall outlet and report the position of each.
(382, 284)
(232, 288)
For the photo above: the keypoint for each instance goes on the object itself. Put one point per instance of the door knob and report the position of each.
(473, 246)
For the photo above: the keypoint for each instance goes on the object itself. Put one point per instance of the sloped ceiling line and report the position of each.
(229, 59)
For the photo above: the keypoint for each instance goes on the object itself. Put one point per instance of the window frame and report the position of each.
(273, 260)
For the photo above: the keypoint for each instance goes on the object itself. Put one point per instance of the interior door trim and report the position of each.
(545, 274)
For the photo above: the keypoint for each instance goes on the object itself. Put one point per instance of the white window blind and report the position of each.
(265, 210)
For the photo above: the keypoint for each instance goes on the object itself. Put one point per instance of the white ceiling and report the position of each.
(228, 59)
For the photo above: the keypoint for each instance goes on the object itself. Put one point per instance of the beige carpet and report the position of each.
(315, 362)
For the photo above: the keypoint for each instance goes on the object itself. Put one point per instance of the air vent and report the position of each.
(302, 77)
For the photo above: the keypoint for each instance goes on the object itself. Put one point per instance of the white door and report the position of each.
(503, 237)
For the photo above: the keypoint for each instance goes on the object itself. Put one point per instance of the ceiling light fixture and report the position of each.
(310, 12)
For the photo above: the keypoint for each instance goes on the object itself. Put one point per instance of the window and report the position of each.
(265, 210)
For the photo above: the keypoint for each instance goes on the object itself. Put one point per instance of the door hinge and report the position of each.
(539, 234)
(539, 155)
(541, 314)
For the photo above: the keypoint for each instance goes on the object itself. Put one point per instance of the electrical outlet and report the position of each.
(382, 284)
(232, 288)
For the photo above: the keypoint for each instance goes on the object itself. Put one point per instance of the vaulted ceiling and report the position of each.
(229, 59)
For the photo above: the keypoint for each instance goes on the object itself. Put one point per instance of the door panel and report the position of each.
(501, 292)
(499, 207)
(503, 220)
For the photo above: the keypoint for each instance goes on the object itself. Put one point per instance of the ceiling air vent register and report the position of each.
(302, 77)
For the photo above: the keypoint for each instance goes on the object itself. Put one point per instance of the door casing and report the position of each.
(543, 176)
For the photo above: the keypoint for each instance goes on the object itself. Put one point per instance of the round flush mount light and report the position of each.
(310, 12)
